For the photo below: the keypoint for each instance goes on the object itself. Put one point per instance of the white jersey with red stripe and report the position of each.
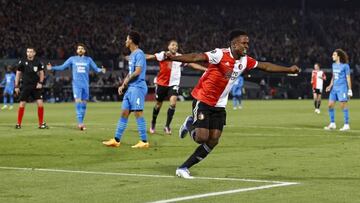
(317, 78)
(170, 71)
(215, 84)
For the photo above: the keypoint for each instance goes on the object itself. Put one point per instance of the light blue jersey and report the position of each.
(81, 66)
(137, 59)
(134, 97)
(340, 71)
(339, 91)
(9, 83)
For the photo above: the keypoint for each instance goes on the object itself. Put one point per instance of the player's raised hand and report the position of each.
(103, 69)
(49, 66)
(294, 69)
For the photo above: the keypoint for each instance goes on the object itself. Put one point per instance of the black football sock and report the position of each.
(155, 115)
(315, 104)
(200, 153)
(318, 104)
(170, 115)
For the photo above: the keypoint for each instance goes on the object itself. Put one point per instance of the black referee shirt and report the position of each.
(30, 71)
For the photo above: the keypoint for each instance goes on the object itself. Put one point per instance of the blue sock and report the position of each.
(120, 128)
(78, 112)
(234, 102)
(83, 111)
(5, 100)
(11, 100)
(332, 115)
(346, 116)
(142, 128)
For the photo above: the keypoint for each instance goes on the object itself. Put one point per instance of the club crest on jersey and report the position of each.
(201, 116)
(35, 68)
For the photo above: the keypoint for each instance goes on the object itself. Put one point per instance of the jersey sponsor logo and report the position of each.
(80, 69)
(213, 51)
(35, 68)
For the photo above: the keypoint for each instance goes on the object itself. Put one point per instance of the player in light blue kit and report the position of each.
(80, 66)
(340, 88)
(134, 97)
(236, 92)
(9, 86)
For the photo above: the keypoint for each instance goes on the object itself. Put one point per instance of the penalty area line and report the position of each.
(273, 184)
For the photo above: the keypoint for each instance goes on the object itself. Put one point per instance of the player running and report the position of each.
(134, 98)
(80, 65)
(9, 86)
(31, 71)
(211, 93)
(339, 88)
(317, 80)
(167, 83)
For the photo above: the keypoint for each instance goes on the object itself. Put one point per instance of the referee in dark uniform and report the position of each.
(31, 71)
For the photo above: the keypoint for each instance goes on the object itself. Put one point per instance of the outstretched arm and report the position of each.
(197, 66)
(188, 58)
(273, 68)
(96, 68)
(150, 57)
(65, 65)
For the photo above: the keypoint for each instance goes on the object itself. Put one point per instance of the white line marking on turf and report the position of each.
(290, 128)
(224, 192)
(274, 183)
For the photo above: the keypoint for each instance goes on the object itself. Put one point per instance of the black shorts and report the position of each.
(317, 91)
(163, 91)
(27, 92)
(208, 117)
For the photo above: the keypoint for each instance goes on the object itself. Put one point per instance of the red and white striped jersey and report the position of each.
(317, 79)
(170, 71)
(215, 84)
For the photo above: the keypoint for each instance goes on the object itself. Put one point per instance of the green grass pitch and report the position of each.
(266, 140)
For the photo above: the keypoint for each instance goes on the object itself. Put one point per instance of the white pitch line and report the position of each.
(224, 192)
(290, 128)
(274, 183)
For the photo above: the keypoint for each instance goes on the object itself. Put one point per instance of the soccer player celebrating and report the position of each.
(81, 66)
(340, 88)
(236, 92)
(211, 93)
(317, 80)
(31, 71)
(9, 85)
(168, 81)
(134, 97)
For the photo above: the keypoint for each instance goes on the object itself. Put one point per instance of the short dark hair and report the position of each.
(81, 45)
(173, 40)
(344, 58)
(135, 37)
(317, 63)
(235, 33)
(31, 47)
